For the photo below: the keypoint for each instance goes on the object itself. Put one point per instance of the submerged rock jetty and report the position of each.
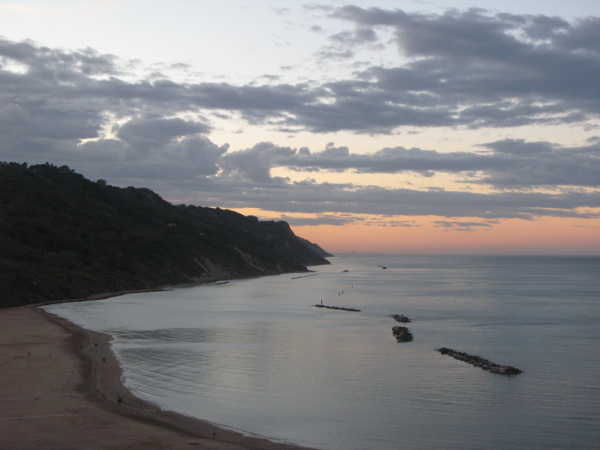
(401, 318)
(402, 334)
(339, 308)
(478, 361)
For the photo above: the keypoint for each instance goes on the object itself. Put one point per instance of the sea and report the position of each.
(256, 355)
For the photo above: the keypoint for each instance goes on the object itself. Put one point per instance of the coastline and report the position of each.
(61, 383)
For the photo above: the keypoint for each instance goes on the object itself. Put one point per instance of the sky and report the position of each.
(410, 127)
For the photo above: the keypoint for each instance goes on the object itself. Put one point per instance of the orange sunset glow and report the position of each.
(547, 236)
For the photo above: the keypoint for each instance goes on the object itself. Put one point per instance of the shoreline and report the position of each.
(166, 287)
(62, 383)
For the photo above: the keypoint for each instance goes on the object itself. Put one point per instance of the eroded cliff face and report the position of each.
(66, 237)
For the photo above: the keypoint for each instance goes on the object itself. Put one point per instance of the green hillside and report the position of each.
(65, 237)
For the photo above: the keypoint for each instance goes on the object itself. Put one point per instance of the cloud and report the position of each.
(321, 198)
(469, 69)
(254, 164)
(322, 219)
(510, 163)
(145, 134)
(246, 179)
(461, 226)
(357, 37)
(472, 69)
(527, 164)
(478, 69)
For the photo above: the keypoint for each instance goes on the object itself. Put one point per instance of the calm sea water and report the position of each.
(256, 356)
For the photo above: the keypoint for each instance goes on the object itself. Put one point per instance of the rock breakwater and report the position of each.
(401, 318)
(478, 361)
(338, 308)
(402, 334)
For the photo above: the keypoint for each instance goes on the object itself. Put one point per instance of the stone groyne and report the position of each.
(478, 361)
(338, 308)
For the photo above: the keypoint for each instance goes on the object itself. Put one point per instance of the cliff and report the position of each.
(64, 237)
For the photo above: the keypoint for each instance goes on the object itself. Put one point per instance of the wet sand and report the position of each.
(59, 386)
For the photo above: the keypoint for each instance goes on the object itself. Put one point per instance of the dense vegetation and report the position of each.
(65, 237)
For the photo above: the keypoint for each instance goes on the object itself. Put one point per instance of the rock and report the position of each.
(402, 334)
(478, 361)
(401, 318)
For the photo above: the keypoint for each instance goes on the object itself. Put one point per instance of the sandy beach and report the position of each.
(60, 386)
